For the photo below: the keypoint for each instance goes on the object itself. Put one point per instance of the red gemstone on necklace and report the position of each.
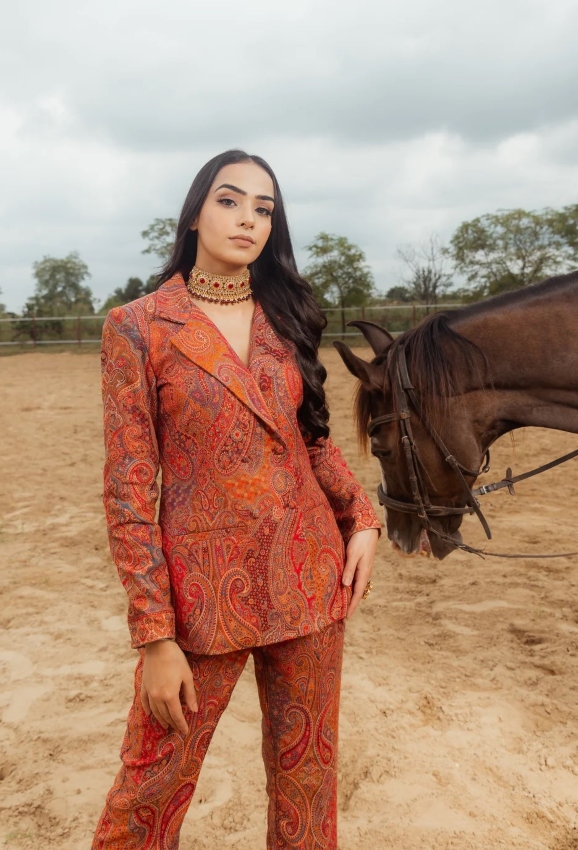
(201, 280)
(216, 284)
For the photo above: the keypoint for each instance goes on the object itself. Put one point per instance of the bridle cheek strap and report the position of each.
(422, 505)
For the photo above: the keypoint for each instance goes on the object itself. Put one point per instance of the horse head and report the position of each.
(407, 440)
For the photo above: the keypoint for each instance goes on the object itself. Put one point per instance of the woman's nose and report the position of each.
(247, 216)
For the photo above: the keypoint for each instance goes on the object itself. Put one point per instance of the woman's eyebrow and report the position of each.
(242, 192)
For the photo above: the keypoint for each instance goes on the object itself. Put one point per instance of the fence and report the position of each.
(26, 333)
(395, 317)
(51, 330)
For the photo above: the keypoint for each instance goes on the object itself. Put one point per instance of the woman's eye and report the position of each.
(264, 211)
(227, 202)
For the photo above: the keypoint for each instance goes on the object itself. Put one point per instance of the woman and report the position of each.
(264, 542)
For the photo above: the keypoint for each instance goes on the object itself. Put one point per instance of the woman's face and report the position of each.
(235, 220)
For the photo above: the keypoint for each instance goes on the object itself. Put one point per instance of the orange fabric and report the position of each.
(248, 548)
(299, 686)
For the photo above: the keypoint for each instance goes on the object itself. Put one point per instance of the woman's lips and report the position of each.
(243, 240)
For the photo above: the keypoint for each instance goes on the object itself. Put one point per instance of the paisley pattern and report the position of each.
(248, 548)
(298, 682)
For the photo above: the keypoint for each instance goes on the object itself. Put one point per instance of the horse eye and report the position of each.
(381, 453)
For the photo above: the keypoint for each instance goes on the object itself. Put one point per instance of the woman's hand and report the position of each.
(359, 564)
(165, 673)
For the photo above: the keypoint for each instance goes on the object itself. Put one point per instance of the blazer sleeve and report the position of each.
(350, 504)
(130, 475)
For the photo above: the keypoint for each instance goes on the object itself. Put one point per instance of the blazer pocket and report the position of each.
(209, 551)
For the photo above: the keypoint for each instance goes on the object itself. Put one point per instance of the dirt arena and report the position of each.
(459, 724)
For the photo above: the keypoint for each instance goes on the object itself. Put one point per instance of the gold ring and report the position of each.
(368, 589)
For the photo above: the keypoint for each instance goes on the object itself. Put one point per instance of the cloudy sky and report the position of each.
(385, 121)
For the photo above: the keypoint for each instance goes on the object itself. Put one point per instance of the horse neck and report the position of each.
(532, 352)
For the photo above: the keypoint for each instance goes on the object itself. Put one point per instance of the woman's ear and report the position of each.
(195, 224)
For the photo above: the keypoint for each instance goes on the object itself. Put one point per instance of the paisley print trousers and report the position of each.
(299, 684)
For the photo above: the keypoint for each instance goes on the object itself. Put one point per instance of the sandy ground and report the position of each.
(459, 715)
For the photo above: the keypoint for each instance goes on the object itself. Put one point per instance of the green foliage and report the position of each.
(59, 287)
(59, 291)
(510, 249)
(338, 273)
(133, 289)
(160, 236)
(398, 293)
(565, 225)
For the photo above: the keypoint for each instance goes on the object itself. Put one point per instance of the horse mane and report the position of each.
(439, 359)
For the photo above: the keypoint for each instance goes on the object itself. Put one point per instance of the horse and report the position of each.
(434, 399)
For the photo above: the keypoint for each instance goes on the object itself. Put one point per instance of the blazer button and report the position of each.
(277, 449)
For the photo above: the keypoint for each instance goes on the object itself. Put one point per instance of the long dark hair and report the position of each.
(286, 298)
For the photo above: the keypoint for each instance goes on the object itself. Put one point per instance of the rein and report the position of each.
(421, 504)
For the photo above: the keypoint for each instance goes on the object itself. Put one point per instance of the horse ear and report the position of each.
(371, 376)
(377, 337)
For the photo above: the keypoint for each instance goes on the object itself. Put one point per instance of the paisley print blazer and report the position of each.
(248, 546)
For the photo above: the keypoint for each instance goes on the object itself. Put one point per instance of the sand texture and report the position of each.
(459, 724)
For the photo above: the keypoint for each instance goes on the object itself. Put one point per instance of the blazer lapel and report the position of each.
(172, 301)
(200, 341)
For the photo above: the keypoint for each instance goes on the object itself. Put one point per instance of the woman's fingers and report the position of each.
(165, 671)
(176, 717)
(144, 698)
(159, 713)
(189, 694)
(361, 578)
(359, 564)
(350, 565)
(169, 713)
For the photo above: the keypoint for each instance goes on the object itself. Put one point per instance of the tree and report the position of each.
(133, 289)
(427, 276)
(59, 288)
(338, 273)
(510, 249)
(161, 236)
(398, 293)
(59, 291)
(565, 224)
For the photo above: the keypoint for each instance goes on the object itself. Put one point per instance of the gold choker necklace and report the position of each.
(220, 289)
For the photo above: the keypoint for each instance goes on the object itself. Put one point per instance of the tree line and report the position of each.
(492, 253)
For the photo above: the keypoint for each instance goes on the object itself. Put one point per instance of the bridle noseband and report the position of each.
(405, 399)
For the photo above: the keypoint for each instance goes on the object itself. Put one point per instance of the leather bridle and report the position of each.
(421, 505)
